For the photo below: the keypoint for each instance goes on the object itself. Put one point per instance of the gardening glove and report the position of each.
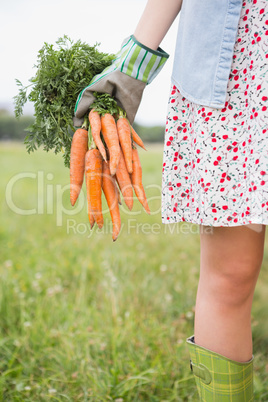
(134, 66)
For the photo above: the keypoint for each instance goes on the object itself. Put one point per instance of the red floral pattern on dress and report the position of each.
(215, 163)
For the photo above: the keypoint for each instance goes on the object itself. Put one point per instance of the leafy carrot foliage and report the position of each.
(105, 103)
(63, 70)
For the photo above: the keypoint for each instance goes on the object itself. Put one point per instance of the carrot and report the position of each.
(89, 211)
(136, 138)
(116, 189)
(110, 135)
(79, 148)
(109, 190)
(95, 124)
(93, 171)
(136, 178)
(125, 140)
(124, 181)
(117, 192)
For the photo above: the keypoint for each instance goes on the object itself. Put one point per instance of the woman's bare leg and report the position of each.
(230, 262)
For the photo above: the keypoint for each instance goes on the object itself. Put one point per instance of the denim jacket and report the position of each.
(204, 49)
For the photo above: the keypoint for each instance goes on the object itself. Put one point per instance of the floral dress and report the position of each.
(215, 162)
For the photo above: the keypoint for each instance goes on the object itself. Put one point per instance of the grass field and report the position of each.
(86, 319)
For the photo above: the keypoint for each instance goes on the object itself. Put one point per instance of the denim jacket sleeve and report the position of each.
(204, 49)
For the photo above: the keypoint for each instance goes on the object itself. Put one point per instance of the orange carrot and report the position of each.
(125, 140)
(124, 181)
(117, 192)
(136, 178)
(109, 190)
(89, 211)
(110, 135)
(116, 189)
(136, 138)
(79, 148)
(93, 172)
(95, 124)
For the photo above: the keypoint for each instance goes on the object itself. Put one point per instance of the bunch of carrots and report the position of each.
(105, 154)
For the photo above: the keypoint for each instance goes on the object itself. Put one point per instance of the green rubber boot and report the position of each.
(218, 378)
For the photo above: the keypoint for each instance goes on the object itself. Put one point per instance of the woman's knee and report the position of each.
(231, 259)
(234, 282)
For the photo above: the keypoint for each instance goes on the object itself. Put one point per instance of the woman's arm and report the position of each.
(156, 20)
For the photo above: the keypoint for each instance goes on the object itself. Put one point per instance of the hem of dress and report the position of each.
(171, 220)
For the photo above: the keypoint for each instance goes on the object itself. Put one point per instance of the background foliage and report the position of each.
(14, 129)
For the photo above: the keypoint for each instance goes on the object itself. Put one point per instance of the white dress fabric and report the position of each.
(215, 162)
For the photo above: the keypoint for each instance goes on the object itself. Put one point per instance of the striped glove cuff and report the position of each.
(137, 61)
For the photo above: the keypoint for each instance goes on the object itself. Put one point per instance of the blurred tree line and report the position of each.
(150, 133)
(13, 129)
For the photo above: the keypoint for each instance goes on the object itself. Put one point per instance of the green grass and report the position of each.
(86, 319)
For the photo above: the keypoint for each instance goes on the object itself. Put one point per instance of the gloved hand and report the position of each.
(134, 66)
